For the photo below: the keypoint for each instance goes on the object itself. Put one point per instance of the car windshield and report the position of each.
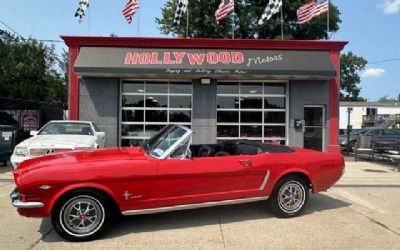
(158, 144)
(66, 128)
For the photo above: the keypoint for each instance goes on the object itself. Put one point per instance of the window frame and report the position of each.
(263, 124)
(168, 109)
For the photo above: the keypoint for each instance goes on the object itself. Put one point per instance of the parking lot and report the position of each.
(360, 212)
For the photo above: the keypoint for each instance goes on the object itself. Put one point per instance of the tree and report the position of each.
(350, 67)
(387, 99)
(28, 70)
(247, 14)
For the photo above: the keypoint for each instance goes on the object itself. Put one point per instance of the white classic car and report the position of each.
(59, 136)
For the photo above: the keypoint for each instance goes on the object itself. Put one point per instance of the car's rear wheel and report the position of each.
(82, 216)
(289, 196)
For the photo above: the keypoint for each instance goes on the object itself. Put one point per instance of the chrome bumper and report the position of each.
(21, 204)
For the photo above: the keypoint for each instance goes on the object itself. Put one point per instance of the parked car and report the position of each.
(58, 136)
(343, 140)
(380, 137)
(81, 191)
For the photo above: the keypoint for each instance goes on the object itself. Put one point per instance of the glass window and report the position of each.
(274, 88)
(227, 102)
(132, 130)
(274, 102)
(133, 101)
(180, 88)
(228, 116)
(67, 128)
(180, 101)
(156, 101)
(156, 116)
(131, 142)
(251, 88)
(251, 131)
(133, 87)
(228, 88)
(227, 131)
(156, 87)
(251, 102)
(179, 116)
(390, 132)
(274, 131)
(248, 117)
(132, 115)
(274, 117)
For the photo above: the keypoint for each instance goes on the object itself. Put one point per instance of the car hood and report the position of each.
(84, 158)
(58, 141)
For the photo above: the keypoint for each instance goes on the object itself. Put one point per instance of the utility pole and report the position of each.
(349, 110)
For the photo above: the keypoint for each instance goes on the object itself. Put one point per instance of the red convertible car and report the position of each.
(82, 191)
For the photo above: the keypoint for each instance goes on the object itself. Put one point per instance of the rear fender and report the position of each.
(293, 171)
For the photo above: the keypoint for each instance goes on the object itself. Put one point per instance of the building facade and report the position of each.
(267, 90)
(369, 114)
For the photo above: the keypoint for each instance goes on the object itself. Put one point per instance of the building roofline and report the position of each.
(151, 42)
(370, 104)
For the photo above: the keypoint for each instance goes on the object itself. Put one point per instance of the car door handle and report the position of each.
(246, 163)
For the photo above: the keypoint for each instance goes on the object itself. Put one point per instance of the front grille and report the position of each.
(38, 151)
(45, 151)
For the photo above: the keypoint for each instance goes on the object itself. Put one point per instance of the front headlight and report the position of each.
(21, 151)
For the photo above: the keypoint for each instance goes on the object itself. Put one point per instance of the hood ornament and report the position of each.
(50, 151)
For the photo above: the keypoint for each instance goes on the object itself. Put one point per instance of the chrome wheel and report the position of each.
(82, 216)
(291, 197)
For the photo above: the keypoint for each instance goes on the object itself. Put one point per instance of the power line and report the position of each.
(40, 40)
(12, 30)
(386, 60)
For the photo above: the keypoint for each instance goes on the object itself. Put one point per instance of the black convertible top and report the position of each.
(248, 147)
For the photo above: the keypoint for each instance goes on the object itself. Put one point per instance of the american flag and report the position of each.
(225, 7)
(130, 9)
(313, 9)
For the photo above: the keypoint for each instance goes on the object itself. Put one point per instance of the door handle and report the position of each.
(246, 163)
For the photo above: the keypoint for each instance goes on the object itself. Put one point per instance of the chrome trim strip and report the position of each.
(32, 204)
(264, 181)
(192, 206)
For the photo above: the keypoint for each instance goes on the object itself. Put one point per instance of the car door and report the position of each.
(202, 179)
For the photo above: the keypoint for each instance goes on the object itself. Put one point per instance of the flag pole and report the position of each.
(138, 23)
(327, 23)
(282, 21)
(233, 24)
(187, 20)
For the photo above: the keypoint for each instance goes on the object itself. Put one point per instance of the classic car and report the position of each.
(58, 136)
(82, 191)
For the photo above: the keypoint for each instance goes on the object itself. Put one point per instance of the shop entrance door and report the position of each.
(314, 127)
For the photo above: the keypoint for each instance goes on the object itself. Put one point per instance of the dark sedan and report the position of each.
(382, 138)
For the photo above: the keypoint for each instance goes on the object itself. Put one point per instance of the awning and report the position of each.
(117, 61)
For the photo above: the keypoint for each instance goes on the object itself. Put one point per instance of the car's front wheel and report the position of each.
(81, 216)
(289, 196)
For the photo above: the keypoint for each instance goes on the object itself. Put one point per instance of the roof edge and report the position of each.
(152, 42)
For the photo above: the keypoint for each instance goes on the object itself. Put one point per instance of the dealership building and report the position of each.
(267, 90)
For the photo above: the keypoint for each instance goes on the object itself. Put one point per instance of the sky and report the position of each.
(372, 28)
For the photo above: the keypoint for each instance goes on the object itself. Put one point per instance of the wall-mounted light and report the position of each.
(205, 81)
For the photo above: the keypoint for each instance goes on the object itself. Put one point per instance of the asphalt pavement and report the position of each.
(362, 211)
